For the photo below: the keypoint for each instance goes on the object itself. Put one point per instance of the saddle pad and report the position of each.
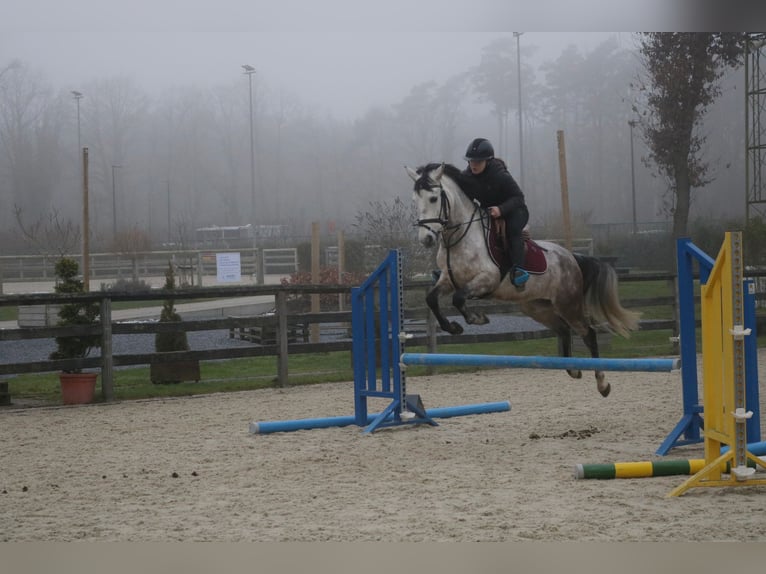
(534, 255)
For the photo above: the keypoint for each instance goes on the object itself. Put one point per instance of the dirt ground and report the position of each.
(189, 469)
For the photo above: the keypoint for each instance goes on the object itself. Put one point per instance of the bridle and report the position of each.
(449, 231)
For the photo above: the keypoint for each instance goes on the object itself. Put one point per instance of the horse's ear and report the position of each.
(412, 173)
(437, 173)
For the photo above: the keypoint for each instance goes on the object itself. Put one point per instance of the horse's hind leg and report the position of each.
(564, 335)
(543, 312)
(589, 337)
(591, 341)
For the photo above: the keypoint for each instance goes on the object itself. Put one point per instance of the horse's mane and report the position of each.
(466, 184)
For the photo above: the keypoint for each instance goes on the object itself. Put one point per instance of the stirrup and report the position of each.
(519, 277)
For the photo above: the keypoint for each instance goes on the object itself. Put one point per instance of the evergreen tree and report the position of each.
(166, 342)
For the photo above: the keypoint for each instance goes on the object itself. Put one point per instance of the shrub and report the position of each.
(165, 342)
(67, 281)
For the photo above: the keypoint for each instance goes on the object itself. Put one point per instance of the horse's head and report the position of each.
(431, 201)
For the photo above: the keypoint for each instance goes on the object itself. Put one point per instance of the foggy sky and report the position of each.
(337, 56)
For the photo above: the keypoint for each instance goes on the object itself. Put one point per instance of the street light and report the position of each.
(517, 35)
(81, 160)
(114, 205)
(77, 97)
(632, 124)
(169, 229)
(249, 71)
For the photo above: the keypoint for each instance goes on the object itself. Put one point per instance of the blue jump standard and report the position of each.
(541, 362)
(439, 413)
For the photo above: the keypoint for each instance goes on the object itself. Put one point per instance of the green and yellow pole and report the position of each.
(641, 469)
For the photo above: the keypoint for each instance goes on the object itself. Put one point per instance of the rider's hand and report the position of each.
(494, 211)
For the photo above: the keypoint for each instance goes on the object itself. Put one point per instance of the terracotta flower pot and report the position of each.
(78, 388)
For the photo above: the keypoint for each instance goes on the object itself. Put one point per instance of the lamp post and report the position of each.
(114, 205)
(169, 230)
(517, 35)
(82, 180)
(249, 71)
(77, 97)
(632, 124)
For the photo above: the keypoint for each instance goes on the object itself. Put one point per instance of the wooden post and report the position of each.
(341, 268)
(85, 223)
(281, 301)
(564, 191)
(314, 329)
(107, 361)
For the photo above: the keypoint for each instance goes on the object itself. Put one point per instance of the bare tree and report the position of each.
(49, 234)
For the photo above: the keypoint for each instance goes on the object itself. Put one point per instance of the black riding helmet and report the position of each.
(479, 149)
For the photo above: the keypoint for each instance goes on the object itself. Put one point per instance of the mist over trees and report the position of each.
(189, 148)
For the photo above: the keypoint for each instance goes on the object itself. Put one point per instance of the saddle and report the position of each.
(499, 252)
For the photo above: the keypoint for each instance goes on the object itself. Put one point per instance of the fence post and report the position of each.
(107, 361)
(281, 303)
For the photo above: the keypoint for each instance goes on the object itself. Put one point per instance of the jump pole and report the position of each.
(342, 421)
(542, 362)
(647, 469)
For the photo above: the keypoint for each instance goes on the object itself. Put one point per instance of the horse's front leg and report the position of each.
(478, 287)
(432, 300)
(471, 317)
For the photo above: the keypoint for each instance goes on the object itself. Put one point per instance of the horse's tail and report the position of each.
(601, 296)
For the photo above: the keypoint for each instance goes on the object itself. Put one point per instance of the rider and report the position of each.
(499, 193)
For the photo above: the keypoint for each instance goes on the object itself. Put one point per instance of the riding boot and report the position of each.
(518, 275)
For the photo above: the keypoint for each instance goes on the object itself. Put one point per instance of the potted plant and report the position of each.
(170, 341)
(77, 387)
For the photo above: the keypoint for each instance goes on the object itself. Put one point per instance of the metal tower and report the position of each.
(755, 128)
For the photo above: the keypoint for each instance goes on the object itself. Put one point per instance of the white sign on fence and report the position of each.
(228, 267)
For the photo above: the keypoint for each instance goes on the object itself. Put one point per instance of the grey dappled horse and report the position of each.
(574, 294)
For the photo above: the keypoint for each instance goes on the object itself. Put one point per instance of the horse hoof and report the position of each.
(605, 391)
(574, 374)
(455, 328)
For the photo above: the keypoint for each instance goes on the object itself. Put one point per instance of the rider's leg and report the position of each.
(514, 226)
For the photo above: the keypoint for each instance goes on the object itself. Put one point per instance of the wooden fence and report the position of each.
(285, 321)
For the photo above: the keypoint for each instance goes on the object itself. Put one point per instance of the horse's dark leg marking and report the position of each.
(432, 300)
(591, 341)
(565, 347)
(576, 319)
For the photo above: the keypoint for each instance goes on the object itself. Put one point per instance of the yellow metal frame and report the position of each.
(723, 375)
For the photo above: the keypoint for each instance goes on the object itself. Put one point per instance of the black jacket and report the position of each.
(495, 186)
